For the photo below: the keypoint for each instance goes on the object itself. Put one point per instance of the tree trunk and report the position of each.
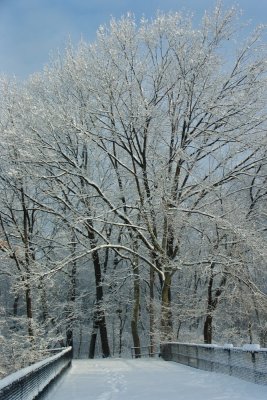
(28, 299)
(208, 329)
(104, 336)
(151, 313)
(28, 256)
(99, 318)
(212, 301)
(121, 325)
(135, 315)
(100, 314)
(207, 332)
(15, 305)
(93, 337)
(72, 299)
(166, 313)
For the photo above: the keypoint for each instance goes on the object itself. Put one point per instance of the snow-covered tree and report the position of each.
(143, 160)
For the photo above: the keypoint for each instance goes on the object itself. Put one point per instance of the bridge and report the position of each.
(61, 378)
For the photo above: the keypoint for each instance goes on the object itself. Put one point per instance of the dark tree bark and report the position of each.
(151, 313)
(208, 329)
(72, 299)
(166, 313)
(136, 308)
(28, 298)
(93, 338)
(212, 301)
(15, 305)
(99, 314)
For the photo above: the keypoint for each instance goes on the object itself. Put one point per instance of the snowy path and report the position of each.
(143, 379)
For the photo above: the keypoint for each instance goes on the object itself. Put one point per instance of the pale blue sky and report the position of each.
(31, 29)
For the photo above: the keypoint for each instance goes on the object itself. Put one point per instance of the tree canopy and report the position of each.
(133, 189)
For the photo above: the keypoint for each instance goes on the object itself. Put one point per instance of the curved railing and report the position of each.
(28, 382)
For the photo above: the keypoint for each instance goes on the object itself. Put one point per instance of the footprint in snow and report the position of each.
(105, 396)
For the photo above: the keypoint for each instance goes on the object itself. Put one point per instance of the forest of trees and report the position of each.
(133, 188)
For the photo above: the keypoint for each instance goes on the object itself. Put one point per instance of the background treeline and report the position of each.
(133, 187)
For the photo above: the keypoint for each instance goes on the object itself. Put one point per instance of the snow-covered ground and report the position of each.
(144, 379)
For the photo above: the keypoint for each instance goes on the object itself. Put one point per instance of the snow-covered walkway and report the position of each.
(144, 379)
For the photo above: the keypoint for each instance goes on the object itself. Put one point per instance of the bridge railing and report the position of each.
(248, 362)
(28, 382)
